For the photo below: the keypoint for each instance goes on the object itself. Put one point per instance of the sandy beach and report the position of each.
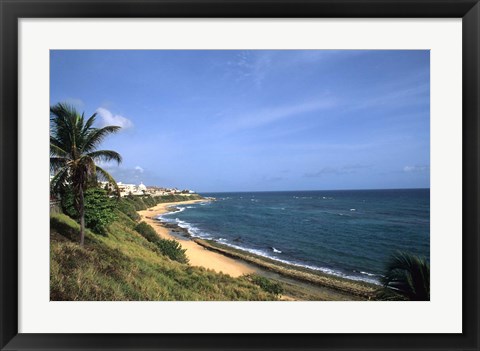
(300, 285)
(198, 255)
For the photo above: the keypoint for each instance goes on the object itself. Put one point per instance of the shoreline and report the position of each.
(197, 254)
(302, 283)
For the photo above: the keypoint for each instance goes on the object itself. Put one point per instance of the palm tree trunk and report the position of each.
(81, 210)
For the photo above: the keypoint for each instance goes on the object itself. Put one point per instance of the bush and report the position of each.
(129, 209)
(170, 248)
(147, 232)
(137, 202)
(266, 284)
(173, 250)
(99, 209)
(149, 201)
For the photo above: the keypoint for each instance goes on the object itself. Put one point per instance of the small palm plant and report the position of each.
(73, 153)
(407, 277)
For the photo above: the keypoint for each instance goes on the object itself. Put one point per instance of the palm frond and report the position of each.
(90, 121)
(409, 276)
(57, 163)
(56, 150)
(107, 176)
(105, 156)
(60, 180)
(88, 167)
(63, 127)
(96, 136)
(73, 143)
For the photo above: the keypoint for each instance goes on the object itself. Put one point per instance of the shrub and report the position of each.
(128, 208)
(266, 284)
(170, 248)
(137, 202)
(173, 250)
(147, 232)
(99, 209)
(149, 201)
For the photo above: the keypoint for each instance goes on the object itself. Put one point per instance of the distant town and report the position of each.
(141, 189)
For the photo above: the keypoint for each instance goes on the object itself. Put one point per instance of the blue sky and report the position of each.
(236, 120)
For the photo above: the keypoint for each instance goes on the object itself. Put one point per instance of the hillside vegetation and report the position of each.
(124, 264)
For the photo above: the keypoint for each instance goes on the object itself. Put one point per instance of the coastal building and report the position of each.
(142, 189)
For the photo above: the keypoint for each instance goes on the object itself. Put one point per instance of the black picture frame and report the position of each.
(11, 11)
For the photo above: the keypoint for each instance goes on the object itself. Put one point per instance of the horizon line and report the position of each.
(279, 191)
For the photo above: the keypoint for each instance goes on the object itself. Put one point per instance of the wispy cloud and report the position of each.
(410, 169)
(109, 119)
(401, 97)
(248, 65)
(412, 90)
(126, 174)
(257, 66)
(348, 169)
(271, 115)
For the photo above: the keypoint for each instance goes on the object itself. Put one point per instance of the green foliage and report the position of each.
(124, 266)
(99, 209)
(136, 201)
(169, 248)
(125, 206)
(266, 284)
(147, 232)
(407, 277)
(173, 250)
(149, 201)
(176, 198)
(74, 154)
(123, 219)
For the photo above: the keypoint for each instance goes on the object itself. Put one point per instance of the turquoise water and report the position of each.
(348, 233)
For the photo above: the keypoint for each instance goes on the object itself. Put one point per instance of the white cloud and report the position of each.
(109, 119)
(416, 168)
(138, 168)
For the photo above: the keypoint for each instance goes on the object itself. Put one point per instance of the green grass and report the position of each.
(124, 266)
(266, 284)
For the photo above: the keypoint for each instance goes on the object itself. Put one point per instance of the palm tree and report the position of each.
(408, 277)
(73, 153)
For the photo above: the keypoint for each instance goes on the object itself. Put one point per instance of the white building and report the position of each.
(141, 189)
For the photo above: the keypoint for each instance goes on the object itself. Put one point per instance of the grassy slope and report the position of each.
(124, 266)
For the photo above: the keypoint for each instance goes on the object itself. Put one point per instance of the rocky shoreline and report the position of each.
(358, 289)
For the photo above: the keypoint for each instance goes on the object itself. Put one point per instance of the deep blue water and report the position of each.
(349, 233)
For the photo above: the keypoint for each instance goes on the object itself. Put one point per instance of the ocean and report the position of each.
(348, 233)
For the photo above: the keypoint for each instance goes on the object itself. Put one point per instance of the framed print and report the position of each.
(269, 175)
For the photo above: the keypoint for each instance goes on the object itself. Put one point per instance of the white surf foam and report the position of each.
(198, 233)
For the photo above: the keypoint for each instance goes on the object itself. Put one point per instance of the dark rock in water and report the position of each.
(170, 225)
(237, 239)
